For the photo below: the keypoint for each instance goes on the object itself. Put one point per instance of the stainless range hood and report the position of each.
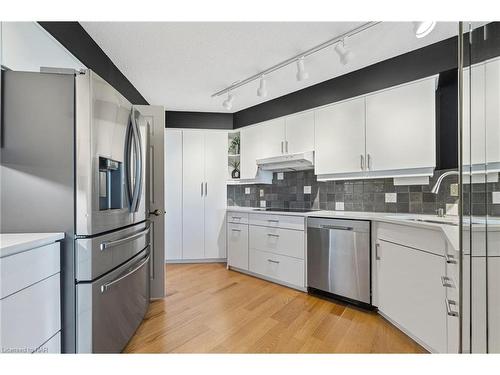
(286, 163)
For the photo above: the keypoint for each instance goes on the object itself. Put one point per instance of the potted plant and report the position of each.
(234, 146)
(235, 164)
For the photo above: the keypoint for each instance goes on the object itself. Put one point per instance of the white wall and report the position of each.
(26, 46)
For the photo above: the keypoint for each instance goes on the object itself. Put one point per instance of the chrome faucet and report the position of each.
(440, 179)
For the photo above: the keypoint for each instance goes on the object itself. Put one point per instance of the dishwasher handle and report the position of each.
(336, 227)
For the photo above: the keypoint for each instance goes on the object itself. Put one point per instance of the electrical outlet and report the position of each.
(339, 206)
(496, 197)
(247, 190)
(391, 197)
(261, 192)
(280, 175)
(454, 190)
(263, 204)
(307, 190)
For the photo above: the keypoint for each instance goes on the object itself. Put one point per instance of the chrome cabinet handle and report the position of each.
(286, 147)
(273, 221)
(273, 261)
(447, 282)
(362, 162)
(108, 244)
(236, 217)
(377, 255)
(108, 285)
(450, 259)
(449, 310)
(336, 227)
(201, 186)
(206, 190)
(281, 146)
(236, 230)
(369, 159)
(273, 235)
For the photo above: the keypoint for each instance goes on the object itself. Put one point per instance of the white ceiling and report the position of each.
(181, 64)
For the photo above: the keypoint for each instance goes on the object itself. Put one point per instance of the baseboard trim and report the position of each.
(181, 261)
(270, 279)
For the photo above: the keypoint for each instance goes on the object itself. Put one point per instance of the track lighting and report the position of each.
(262, 90)
(423, 28)
(301, 69)
(228, 103)
(344, 54)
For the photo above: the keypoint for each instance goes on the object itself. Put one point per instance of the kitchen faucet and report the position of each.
(436, 186)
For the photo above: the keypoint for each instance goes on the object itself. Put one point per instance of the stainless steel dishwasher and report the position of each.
(338, 259)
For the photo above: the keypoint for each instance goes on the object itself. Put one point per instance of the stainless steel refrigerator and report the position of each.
(74, 156)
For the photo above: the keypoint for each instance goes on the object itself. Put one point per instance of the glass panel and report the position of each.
(481, 187)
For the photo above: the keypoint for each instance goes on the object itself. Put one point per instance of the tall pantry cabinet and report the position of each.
(196, 174)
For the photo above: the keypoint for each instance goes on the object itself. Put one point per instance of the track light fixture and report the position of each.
(262, 90)
(423, 28)
(228, 103)
(344, 54)
(301, 70)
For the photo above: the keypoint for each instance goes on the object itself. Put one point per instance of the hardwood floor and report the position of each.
(209, 309)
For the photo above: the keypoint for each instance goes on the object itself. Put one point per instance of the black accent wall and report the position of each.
(76, 40)
(198, 120)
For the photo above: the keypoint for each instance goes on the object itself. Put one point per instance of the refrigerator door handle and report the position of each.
(128, 162)
(136, 198)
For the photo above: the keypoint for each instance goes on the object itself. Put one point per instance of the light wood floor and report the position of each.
(209, 309)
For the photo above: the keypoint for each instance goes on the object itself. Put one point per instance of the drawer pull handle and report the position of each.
(236, 230)
(121, 241)
(273, 261)
(450, 259)
(447, 282)
(336, 227)
(273, 221)
(273, 235)
(236, 217)
(377, 249)
(449, 309)
(108, 285)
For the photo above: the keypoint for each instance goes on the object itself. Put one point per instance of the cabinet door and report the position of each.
(400, 127)
(193, 178)
(299, 132)
(411, 294)
(237, 245)
(474, 115)
(340, 138)
(215, 193)
(272, 138)
(173, 194)
(250, 150)
(492, 115)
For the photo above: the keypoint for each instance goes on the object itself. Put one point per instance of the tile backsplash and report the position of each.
(375, 195)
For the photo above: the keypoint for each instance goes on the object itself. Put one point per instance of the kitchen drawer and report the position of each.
(31, 316)
(237, 245)
(277, 240)
(428, 240)
(24, 269)
(53, 346)
(279, 221)
(278, 267)
(237, 217)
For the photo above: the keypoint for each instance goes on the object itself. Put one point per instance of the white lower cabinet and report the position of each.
(268, 247)
(237, 245)
(277, 267)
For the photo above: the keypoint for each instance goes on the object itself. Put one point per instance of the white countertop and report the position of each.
(449, 231)
(12, 243)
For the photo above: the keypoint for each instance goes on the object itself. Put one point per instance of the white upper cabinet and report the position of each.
(492, 106)
(271, 137)
(299, 133)
(250, 139)
(340, 138)
(400, 127)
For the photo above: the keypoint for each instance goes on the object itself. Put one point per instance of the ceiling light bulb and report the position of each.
(228, 103)
(262, 90)
(301, 70)
(423, 28)
(344, 54)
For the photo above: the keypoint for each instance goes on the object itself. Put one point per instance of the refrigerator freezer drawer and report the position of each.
(98, 255)
(110, 309)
